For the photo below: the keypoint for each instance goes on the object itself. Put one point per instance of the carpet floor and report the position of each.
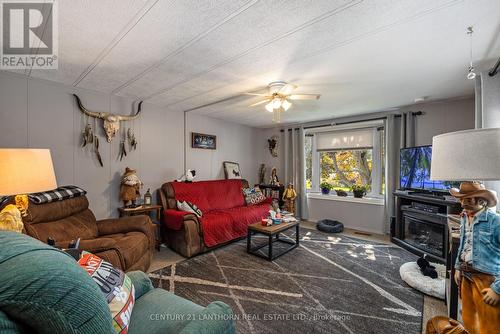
(332, 283)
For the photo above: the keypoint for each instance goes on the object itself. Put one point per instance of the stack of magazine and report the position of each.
(288, 217)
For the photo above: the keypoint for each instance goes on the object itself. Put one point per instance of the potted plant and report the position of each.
(359, 191)
(341, 192)
(325, 188)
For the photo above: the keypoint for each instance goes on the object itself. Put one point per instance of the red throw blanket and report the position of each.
(224, 225)
(225, 214)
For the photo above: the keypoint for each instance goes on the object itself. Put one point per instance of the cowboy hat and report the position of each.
(475, 189)
(129, 171)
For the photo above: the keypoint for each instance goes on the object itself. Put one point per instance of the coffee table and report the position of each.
(273, 233)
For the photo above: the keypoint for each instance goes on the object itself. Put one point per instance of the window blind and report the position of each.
(344, 140)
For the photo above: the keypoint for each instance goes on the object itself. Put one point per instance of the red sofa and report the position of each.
(225, 214)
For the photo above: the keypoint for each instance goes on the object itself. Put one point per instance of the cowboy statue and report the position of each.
(478, 261)
(289, 196)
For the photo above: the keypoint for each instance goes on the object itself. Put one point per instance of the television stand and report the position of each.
(420, 225)
(427, 194)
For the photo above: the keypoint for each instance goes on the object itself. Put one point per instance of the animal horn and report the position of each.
(130, 118)
(88, 112)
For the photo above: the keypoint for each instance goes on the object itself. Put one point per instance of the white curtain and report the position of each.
(295, 167)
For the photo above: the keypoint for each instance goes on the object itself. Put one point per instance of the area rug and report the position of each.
(330, 284)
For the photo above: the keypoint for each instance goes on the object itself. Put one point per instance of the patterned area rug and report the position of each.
(332, 283)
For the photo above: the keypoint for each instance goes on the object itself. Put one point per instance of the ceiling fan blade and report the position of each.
(257, 94)
(287, 89)
(304, 97)
(260, 102)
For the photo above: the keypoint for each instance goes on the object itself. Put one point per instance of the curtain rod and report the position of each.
(415, 113)
(494, 69)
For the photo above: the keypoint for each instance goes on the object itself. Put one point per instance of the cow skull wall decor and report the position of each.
(111, 122)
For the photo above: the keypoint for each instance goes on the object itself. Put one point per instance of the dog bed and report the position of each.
(330, 226)
(410, 273)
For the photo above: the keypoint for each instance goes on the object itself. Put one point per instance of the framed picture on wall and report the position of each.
(232, 170)
(201, 140)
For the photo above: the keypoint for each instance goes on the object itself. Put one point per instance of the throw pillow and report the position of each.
(253, 196)
(116, 286)
(189, 207)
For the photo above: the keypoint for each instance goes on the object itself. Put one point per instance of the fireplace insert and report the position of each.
(421, 224)
(424, 233)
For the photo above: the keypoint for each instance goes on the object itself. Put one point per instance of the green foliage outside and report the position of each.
(343, 169)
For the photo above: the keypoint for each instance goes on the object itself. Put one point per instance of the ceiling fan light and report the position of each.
(276, 103)
(286, 104)
(269, 106)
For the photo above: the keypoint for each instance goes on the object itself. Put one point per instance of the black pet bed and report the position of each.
(330, 226)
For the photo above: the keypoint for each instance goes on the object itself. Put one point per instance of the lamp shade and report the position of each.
(25, 171)
(470, 155)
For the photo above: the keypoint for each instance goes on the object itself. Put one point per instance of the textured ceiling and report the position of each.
(361, 56)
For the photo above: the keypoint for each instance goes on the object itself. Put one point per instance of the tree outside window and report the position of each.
(342, 169)
(344, 159)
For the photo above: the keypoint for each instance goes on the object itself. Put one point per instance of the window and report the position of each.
(344, 168)
(346, 157)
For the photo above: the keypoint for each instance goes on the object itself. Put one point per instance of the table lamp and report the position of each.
(470, 155)
(23, 171)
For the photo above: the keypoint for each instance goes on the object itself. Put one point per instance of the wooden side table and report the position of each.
(146, 210)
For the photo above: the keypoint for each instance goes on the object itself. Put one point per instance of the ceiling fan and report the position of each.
(278, 98)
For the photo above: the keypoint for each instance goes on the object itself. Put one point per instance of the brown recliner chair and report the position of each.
(128, 243)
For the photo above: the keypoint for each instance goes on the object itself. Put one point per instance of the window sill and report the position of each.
(364, 200)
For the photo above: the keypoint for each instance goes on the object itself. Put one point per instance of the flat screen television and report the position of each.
(415, 171)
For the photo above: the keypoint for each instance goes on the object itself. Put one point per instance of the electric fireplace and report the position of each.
(421, 223)
(424, 234)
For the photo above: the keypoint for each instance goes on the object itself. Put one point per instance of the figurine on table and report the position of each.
(275, 206)
(262, 173)
(289, 196)
(478, 261)
(129, 189)
(275, 212)
(274, 181)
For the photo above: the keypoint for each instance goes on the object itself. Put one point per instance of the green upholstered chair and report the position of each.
(43, 290)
